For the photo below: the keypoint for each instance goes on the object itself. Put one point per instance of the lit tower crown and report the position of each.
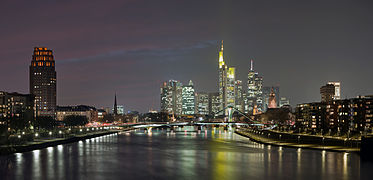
(221, 59)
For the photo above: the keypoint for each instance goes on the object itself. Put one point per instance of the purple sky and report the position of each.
(131, 46)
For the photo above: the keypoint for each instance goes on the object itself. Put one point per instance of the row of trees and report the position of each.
(42, 122)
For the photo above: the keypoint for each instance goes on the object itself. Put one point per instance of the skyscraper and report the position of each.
(171, 97)
(337, 90)
(327, 93)
(266, 91)
(272, 100)
(202, 103)
(223, 68)
(254, 90)
(188, 99)
(43, 81)
(231, 80)
(214, 103)
(239, 101)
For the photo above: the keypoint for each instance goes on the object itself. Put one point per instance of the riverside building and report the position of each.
(43, 81)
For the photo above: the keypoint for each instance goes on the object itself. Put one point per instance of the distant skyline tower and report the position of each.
(239, 96)
(327, 93)
(43, 81)
(115, 110)
(188, 99)
(171, 97)
(223, 68)
(230, 87)
(272, 100)
(337, 86)
(254, 90)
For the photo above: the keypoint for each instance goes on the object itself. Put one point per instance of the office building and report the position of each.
(82, 110)
(337, 90)
(239, 100)
(15, 106)
(327, 93)
(202, 103)
(223, 72)
(214, 103)
(188, 99)
(254, 90)
(171, 97)
(43, 81)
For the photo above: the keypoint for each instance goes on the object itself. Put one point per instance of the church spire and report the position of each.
(115, 105)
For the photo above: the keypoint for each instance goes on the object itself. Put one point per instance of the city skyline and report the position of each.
(299, 59)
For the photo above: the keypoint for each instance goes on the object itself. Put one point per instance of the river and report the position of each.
(182, 154)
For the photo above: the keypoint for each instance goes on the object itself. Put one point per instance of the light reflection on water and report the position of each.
(183, 153)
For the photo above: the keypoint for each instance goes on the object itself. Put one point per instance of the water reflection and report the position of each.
(183, 153)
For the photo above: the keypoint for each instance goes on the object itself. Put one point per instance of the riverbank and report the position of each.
(300, 141)
(44, 143)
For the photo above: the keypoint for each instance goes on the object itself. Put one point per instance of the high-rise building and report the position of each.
(188, 99)
(272, 100)
(214, 103)
(231, 81)
(327, 93)
(240, 104)
(120, 109)
(223, 68)
(337, 90)
(254, 90)
(284, 101)
(266, 92)
(202, 103)
(43, 81)
(171, 97)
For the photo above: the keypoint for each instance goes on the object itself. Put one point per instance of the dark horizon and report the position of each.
(131, 47)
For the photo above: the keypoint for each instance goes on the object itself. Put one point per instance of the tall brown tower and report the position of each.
(43, 81)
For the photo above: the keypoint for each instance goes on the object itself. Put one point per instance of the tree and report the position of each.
(108, 118)
(74, 120)
(45, 122)
(18, 123)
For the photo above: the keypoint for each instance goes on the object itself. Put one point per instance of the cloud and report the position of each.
(157, 52)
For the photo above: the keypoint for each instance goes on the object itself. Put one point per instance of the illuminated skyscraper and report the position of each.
(202, 103)
(239, 96)
(188, 99)
(214, 103)
(43, 81)
(337, 93)
(254, 90)
(231, 80)
(171, 97)
(223, 68)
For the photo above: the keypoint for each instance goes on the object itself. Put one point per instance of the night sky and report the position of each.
(131, 46)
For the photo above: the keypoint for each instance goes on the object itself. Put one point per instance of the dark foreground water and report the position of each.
(184, 154)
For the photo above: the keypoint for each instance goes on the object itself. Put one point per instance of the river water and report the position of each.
(185, 153)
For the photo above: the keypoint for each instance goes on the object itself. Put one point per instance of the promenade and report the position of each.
(301, 141)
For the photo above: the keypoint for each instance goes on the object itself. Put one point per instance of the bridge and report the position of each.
(229, 123)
